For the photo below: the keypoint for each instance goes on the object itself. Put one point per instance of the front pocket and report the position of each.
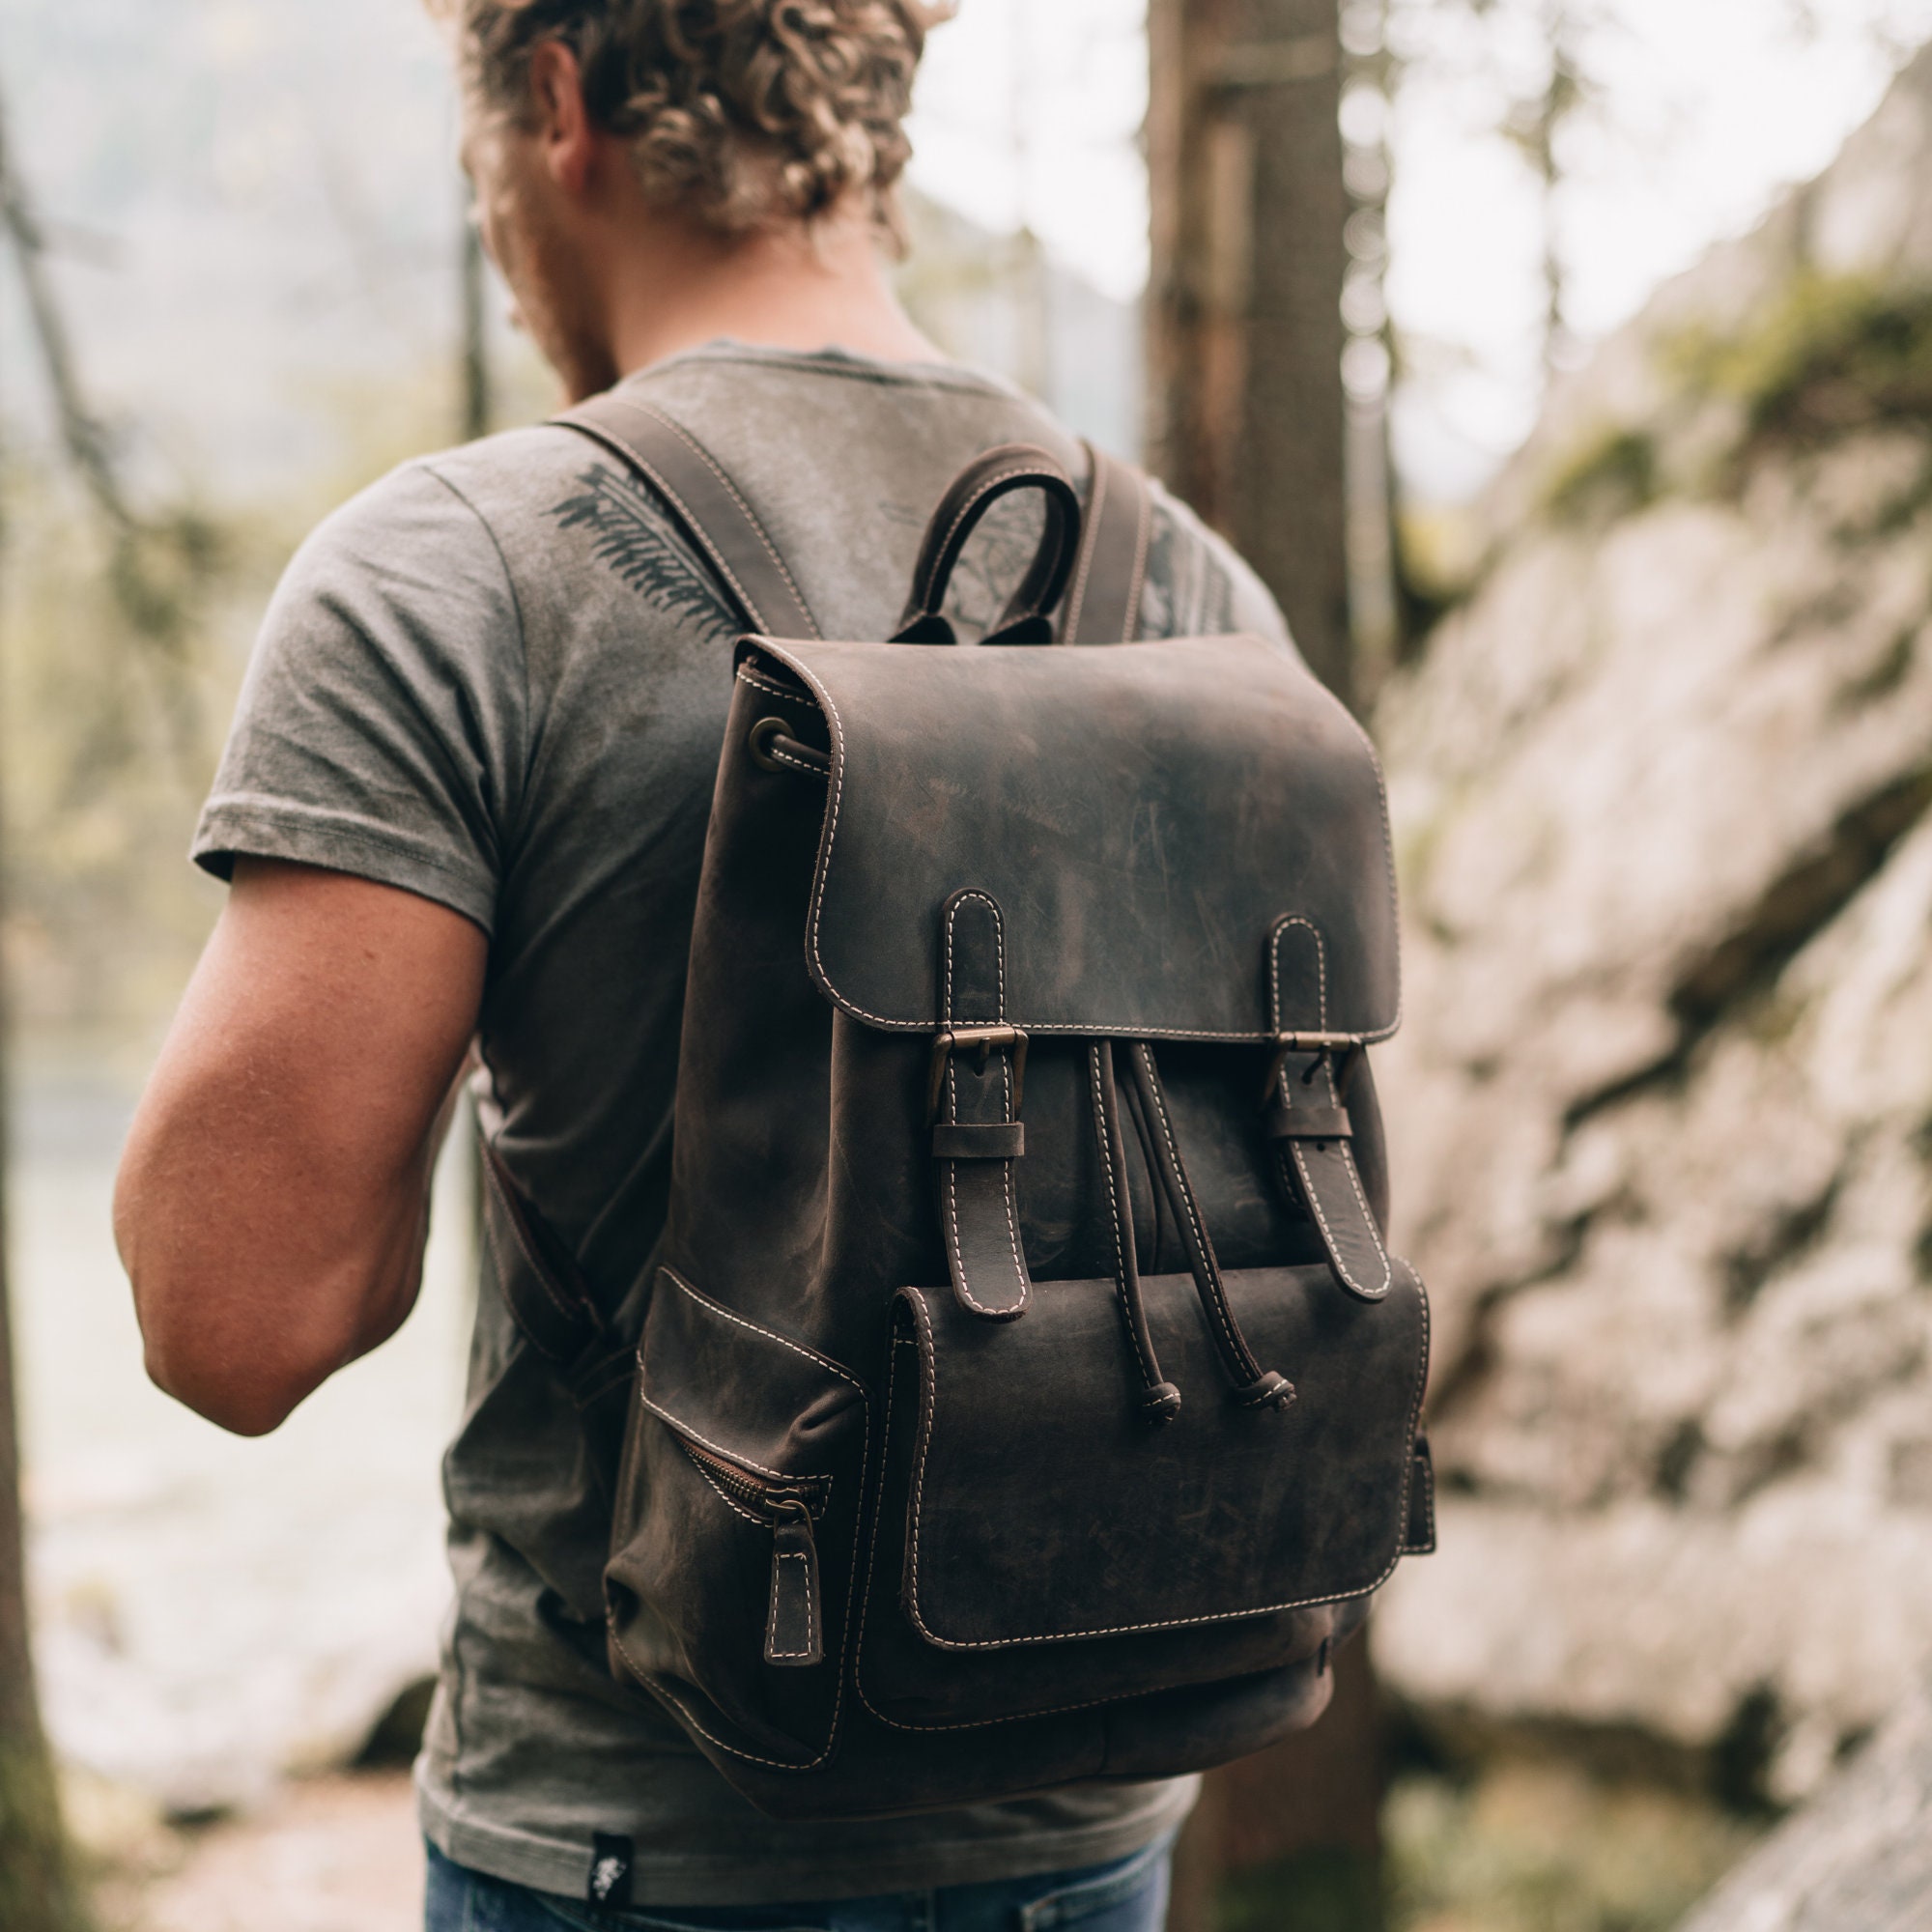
(736, 1528)
(1040, 1547)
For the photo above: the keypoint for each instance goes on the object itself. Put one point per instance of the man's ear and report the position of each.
(563, 127)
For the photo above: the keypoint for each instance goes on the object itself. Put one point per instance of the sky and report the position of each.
(1707, 110)
(255, 196)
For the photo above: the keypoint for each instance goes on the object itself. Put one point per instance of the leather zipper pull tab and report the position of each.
(794, 1629)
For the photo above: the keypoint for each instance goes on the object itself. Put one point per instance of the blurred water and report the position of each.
(212, 1611)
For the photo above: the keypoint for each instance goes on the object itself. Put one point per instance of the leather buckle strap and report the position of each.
(704, 503)
(1287, 1045)
(977, 1081)
(980, 1140)
(983, 1039)
(1103, 602)
(1303, 1100)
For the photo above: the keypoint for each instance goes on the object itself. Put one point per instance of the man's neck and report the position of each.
(788, 290)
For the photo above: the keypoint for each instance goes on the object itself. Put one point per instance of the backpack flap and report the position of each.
(1144, 815)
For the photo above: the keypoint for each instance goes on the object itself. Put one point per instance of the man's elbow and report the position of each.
(245, 1398)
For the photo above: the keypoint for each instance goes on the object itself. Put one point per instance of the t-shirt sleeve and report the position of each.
(382, 724)
(1199, 585)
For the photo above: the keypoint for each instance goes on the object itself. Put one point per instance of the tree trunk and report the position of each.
(474, 411)
(1245, 334)
(36, 1892)
(36, 1889)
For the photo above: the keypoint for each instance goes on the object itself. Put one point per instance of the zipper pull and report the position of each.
(794, 1629)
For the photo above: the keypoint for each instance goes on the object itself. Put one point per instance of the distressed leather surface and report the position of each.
(1129, 826)
(1144, 815)
(1105, 1526)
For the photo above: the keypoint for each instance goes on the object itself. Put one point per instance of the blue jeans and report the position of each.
(1124, 1895)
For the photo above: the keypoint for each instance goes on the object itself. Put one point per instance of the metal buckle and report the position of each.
(985, 1039)
(1326, 1044)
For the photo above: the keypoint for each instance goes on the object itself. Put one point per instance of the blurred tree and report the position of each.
(1245, 333)
(158, 567)
(38, 1892)
(477, 406)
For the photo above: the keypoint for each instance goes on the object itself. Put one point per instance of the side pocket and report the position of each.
(728, 1585)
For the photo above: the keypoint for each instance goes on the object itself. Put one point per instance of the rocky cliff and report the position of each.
(1662, 1103)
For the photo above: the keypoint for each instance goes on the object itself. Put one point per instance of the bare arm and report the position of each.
(272, 1199)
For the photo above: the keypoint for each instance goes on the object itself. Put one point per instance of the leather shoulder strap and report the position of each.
(1103, 604)
(706, 505)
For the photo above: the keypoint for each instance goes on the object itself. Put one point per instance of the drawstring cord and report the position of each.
(1161, 1403)
(1254, 1387)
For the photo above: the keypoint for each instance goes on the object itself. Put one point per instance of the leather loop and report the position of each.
(1317, 1170)
(982, 1140)
(979, 1213)
(1103, 601)
(704, 503)
(1298, 1123)
(1012, 466)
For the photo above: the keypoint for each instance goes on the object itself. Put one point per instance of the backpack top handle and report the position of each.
(1026, 620)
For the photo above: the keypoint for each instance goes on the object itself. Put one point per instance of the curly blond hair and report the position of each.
(750, 113)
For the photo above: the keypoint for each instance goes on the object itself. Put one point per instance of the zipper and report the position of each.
(794, 1614)
(763, 1495)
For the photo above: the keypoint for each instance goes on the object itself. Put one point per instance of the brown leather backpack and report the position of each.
(1025, 1392)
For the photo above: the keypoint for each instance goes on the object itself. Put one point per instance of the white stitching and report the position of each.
(846, 1637)
(952, 1167)
(1308, 926)
(977, 496)
(678, 1425)
(1125, 1029)
(729, 1500)
(930, 1380)
(992, 905)
(677, 1704)
(719, 1309)
(703, 455)
(772, 1613)
(871, 1564)
(746, 675)
(792, 762)
(1295, 1150)
(1105, 1138)
(1217, 1296)
(1299, 1153)
(702, 538)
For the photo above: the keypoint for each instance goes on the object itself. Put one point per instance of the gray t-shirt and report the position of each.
(499, 678)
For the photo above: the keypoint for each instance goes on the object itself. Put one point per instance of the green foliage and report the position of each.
(38, 1892)
(1541, 1847)
(1613, 476)
(1833, 355)
(108, 690)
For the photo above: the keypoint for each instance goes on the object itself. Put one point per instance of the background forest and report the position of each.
(1573, 392)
